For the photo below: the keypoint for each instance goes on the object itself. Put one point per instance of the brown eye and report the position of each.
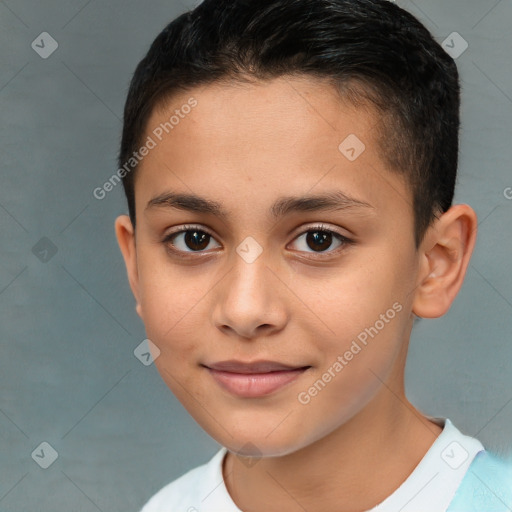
(196, 240)
(318, 239)
(190, 239)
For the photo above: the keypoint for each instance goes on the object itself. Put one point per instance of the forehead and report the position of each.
(287, 134)
(280, 113)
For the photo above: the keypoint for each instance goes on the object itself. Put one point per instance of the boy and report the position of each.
(291, 169)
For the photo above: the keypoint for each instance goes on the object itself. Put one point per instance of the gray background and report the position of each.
(68, 374)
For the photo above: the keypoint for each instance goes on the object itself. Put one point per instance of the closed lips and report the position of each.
(233, 366)
(253, 380)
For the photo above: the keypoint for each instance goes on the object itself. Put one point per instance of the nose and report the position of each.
(250, 301)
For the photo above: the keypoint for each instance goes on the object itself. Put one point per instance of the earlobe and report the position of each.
(126, 239)
(445, 254)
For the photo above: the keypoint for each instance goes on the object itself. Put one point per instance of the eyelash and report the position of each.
(316, 228)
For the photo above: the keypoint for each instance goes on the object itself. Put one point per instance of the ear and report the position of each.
(444, 257)
(126, 239)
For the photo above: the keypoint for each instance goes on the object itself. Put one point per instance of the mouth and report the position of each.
(254, 379)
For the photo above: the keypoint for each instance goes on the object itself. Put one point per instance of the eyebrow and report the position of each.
(332, 201)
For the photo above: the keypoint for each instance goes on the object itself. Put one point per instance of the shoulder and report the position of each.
(184, 493)
(487, 485)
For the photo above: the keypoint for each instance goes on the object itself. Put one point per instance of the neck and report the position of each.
(352, 469)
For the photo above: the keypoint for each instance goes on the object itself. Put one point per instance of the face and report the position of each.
(278, 315)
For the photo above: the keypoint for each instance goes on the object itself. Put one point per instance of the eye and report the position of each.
(319, 239)
(188, 239)
(193, 239)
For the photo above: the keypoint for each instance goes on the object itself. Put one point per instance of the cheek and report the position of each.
(347, 300)
(169, 307)
(169, 318)
(361, 317)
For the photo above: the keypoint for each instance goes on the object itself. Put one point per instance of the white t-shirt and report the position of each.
(429, 488)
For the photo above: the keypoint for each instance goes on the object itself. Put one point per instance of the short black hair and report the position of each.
(372, 51)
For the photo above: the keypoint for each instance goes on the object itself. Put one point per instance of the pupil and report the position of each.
(319, 237)
(197, 239)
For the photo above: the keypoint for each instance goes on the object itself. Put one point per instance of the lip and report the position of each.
(253, 379)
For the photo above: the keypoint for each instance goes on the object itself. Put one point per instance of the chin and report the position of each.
(259, 448)
(255, 441)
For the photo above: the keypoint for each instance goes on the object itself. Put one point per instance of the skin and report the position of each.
(244, 146)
